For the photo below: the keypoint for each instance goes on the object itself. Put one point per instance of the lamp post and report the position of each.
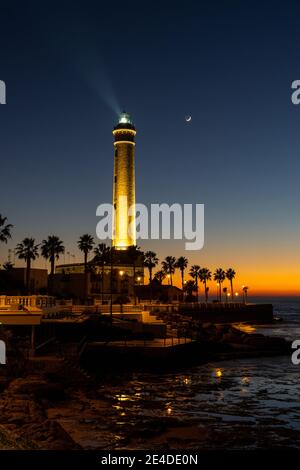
(121, 273)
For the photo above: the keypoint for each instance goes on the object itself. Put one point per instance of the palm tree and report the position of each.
(8, 266)
(225, 292)
(160, 276)
(134, 254)
(181, 264)
(102, 257)
(85, 244)
(206, 293)
(190, 287)
(168, 266)
(28, 251)
(220, 276)
(195, 273)
(245, 293)
(4, 229)
(204, 276)
(51, 249)
(150, 261)
(230, 274)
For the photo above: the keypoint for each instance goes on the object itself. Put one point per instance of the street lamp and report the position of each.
(121, 290)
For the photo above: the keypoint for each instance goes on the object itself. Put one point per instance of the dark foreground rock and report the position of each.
(23, 416)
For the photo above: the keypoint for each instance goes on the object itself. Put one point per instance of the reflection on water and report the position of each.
(218, 373)
(245, 380)
(252, 402)
(235, 404)
(124, 397)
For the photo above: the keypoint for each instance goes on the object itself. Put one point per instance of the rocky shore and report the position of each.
(229, 340)
(51, 404)
(23, 414)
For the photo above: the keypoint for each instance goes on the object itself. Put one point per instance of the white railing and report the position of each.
(39, 302)
(116, 308)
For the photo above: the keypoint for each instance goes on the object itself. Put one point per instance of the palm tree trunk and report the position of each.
(206, 296)
(28, 267)
(231, 286)
(182, 279)
(52, 265)
(197, 289)
(220, 291)
(150, 282)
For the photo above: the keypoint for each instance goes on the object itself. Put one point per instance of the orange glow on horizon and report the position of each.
(268, 283)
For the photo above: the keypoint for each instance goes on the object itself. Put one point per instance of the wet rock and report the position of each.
(266, 343)
(22, 412)
(38, 387)
(233, 335)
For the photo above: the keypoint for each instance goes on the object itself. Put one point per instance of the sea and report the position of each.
(251, 403)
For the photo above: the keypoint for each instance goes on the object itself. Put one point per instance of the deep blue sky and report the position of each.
(70, 65)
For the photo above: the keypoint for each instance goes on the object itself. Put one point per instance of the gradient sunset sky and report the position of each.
(71, 66)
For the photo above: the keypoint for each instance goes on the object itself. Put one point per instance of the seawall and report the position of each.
(229, 313)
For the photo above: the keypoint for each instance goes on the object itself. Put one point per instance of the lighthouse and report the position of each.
(124, 184)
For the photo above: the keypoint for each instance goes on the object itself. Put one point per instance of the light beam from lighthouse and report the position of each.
(124, 234)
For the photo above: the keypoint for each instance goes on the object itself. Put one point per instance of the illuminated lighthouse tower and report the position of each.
(124, 184)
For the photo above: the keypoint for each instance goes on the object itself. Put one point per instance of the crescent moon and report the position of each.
(188, 118)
